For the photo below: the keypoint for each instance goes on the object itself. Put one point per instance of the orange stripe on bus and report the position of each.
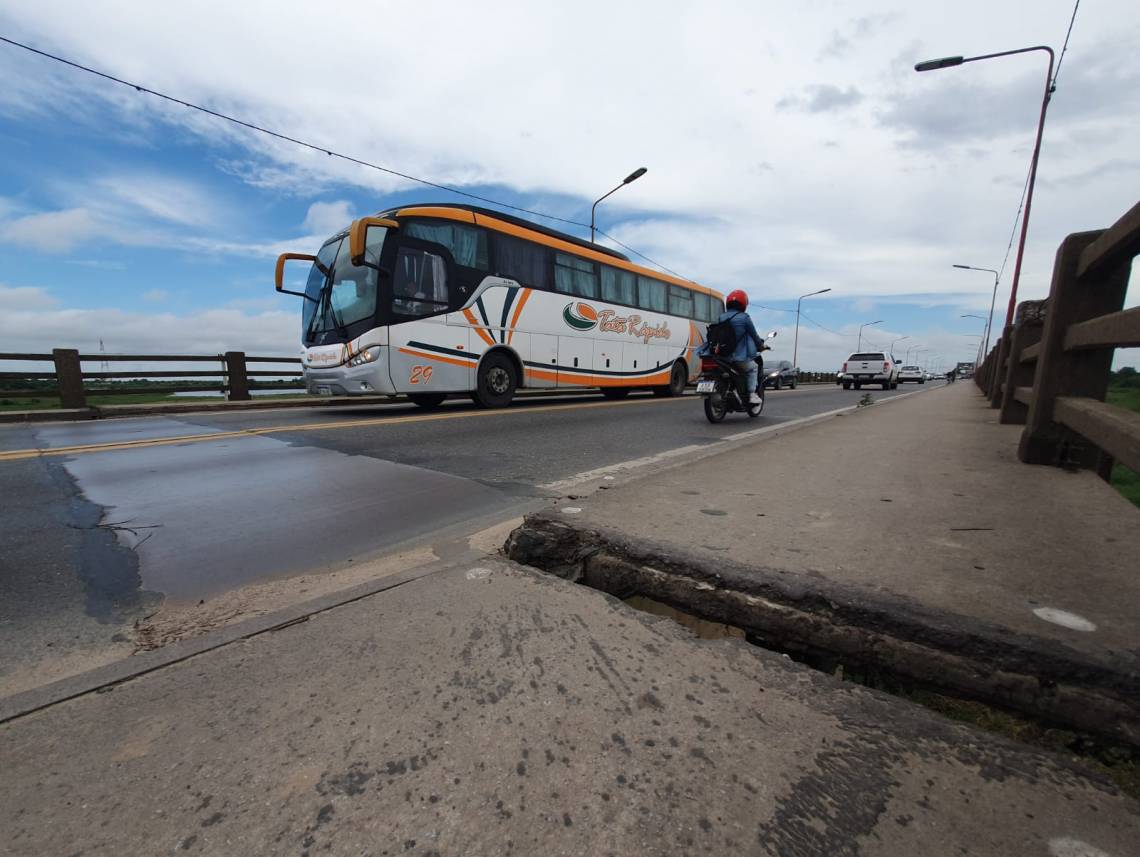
(486, 337)
(465, 216)
(441, 358)
(518, 311)
(598, 380)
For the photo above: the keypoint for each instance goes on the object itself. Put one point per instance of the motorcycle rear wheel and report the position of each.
(716, 408)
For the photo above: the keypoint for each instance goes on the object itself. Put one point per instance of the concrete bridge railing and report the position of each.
(73, 384)
(1050, 369)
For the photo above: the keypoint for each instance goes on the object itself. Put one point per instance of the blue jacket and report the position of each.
(748, 341)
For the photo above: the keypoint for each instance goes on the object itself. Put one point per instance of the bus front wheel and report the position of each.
(496, 382)
(676, 385)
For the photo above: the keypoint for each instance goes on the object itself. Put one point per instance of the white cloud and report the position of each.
(327, 218)
(53, 231)
(274, 332)
(18, 298)
(573, 107)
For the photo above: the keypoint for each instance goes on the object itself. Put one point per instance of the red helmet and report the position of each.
(739, 297)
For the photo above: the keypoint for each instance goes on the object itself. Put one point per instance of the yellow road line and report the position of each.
(21, 454)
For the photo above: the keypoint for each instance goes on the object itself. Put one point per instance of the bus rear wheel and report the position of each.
(496, 381)
(676, 385)
(427, 400)
(615, 392)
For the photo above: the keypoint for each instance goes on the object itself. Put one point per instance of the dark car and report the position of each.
(781, 374)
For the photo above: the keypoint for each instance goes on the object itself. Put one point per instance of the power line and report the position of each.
(1065, 47)
(1025, 188)
(808, 318)
(324, 150)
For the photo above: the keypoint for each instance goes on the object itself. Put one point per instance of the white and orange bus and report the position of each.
(432, 300)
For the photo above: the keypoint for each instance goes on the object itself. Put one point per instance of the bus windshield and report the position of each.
(342, 293)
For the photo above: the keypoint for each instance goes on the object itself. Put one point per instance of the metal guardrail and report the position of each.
(233, 377)
(1050, 369)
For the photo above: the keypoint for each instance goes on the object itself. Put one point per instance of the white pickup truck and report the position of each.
(870, 367)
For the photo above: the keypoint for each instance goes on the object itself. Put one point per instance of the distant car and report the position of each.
(911, 373)
(870, 367)
(783, 374)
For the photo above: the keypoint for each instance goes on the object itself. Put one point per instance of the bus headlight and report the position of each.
(368, 355)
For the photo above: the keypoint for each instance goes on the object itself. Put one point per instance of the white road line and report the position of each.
(700, 450)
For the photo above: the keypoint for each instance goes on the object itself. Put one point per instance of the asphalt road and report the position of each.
(135, 511)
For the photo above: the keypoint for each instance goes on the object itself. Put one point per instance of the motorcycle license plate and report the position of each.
(705, 387)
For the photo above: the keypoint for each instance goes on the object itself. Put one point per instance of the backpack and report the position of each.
(721, 338)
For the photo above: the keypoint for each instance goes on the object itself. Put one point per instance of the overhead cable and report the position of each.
(322, 149)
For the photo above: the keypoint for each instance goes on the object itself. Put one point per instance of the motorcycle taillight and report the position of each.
(708, 364)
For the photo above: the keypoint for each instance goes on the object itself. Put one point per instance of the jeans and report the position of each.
(749, 368)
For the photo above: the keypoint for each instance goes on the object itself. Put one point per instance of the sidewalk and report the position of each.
(495, 710)
(904, 536)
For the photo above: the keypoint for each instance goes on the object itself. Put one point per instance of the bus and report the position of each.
(440, 299)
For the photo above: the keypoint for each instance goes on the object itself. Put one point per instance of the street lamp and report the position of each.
(796, 342)
(985, 329)
(946, 62)
(859, 347)
(892, 349)
(634, 176)
(993, 297)
(915, 347)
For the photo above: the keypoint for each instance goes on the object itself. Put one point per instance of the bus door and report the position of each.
(428, 355)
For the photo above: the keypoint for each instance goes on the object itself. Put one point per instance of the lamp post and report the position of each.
(993, 297)
(796, 342)
(985, 330)
(947, 62)
(634, 176)
(892, 349)
(859, 347)
(910, 349)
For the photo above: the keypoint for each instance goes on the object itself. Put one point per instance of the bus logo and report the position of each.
(580, 316)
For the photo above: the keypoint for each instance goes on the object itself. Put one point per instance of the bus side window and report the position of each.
(520, 260)
(652, 294)
(680, 301)
(703, 306)
(467, 244)
(574, 276)
(619, 287)
(419, 283)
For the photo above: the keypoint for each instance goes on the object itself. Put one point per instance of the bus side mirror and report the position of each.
(358, 238)
(279, 274)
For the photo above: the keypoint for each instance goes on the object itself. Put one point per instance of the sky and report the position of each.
(790, 148)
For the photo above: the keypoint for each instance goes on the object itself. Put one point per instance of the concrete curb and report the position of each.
(681, 456)
(837, 623)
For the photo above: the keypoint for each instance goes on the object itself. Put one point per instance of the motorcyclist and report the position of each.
(748, 341)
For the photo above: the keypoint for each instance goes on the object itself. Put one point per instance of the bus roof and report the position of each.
(521, 228)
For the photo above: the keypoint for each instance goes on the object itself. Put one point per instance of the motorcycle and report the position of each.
(720, 382)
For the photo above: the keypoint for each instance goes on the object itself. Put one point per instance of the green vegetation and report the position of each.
(148, 392)
(1124, 391)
